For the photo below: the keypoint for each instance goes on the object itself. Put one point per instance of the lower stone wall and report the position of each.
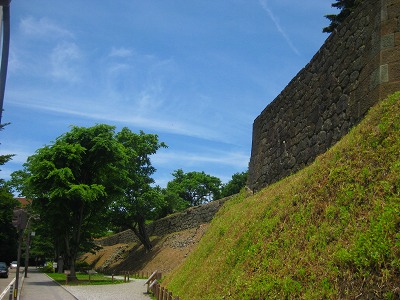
(190, 218)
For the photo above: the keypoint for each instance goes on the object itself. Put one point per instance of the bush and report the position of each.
(48, 268)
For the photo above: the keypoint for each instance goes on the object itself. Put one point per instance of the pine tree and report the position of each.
(346, 7)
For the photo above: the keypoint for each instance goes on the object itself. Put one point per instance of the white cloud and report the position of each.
(19, 149)
(235, 159)
(63, 60)
(128, 116)
(43, 28)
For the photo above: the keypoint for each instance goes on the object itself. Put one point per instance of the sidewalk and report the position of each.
(38, 286)
(134, 290)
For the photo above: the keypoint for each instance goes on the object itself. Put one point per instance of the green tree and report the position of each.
(43, 244)
(193, 188)
(140, 201)
(234, 186)
(8, 234)
(346, 7)
(72, 182)
(172, 203)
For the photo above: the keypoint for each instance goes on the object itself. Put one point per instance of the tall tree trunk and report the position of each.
(70, 260)
(140, 231)
(72, 245)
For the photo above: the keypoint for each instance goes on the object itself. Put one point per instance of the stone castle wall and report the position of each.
(358, 65)
(190, 218)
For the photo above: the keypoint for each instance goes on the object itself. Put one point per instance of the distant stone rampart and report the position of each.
(358, 65)
(190, 218)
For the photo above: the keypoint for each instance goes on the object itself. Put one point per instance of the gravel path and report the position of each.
(134, 290)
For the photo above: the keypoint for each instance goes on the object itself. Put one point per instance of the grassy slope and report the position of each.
(330, 231)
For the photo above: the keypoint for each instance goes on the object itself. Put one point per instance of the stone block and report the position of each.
(387, 41)
(394, 71)
(390, 55)
(389, 26)
(393, 10)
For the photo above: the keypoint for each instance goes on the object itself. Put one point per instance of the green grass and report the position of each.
(83, 279)
(329, 231)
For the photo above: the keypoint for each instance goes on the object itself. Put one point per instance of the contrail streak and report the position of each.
(264, 5)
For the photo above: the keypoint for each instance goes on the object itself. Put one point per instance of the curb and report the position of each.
(61, 286)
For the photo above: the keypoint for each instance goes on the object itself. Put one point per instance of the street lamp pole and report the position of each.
(28, 242)
(5, 51)
(20, 233)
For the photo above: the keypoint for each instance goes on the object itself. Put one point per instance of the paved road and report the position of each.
(5, 283)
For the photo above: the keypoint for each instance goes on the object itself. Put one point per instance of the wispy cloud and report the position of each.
(109, 113)
(43, 28)
(63, 59)
(275, 20)
(235, 159)
(21, 149)
(120, 52)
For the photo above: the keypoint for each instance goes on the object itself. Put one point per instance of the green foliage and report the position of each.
(346, 7)
(193, 188)
(373, 250)
(330, 231)
(43, 243)
(140, 201)
(47, 268)
(235, 185)
(85, 279)
(72, 182)
(8, 235)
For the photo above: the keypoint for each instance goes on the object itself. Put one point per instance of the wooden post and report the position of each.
(157, 295)
(162, 293)
(66, 272)
(156, 292)
(128, 276)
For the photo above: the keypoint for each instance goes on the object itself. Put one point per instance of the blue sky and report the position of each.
(197, 73)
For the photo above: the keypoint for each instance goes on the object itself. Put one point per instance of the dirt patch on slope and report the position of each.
(168, 253)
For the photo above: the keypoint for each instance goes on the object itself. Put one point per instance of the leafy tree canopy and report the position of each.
(140, 201)
(193, 188)
(234, 186)
(346, 7)
(8, 234)
(72, 182)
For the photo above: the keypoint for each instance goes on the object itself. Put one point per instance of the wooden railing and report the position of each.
(158, 291)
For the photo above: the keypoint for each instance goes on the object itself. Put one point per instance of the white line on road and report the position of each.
(6, 289)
